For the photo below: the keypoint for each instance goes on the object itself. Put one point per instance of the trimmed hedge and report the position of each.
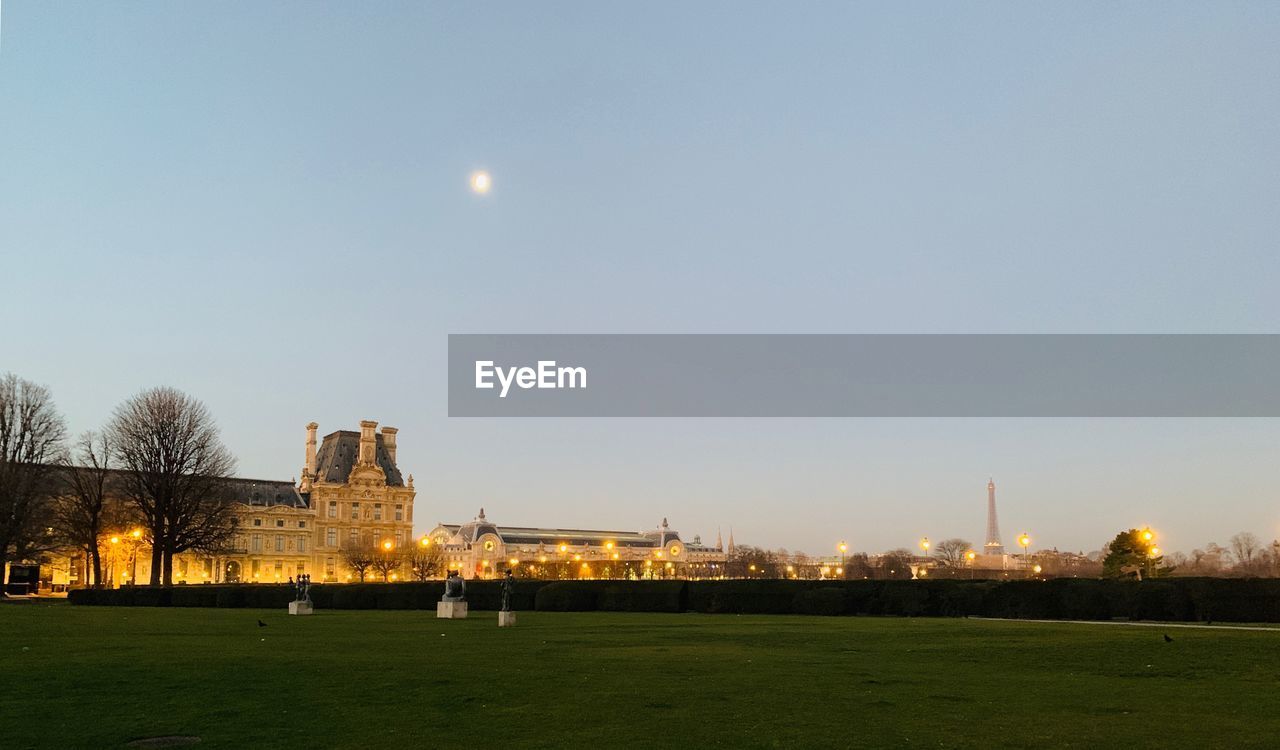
(1176, 599)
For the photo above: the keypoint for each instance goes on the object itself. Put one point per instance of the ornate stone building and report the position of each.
(481, 549)
(351, 494)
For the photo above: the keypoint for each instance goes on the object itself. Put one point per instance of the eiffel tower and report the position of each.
(993, 546)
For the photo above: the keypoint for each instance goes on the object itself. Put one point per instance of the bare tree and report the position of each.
(425, 561)
(1245, 547)
(952, 551)
(387, 562)
(174, 469)
(31, 435)
(88, 505)
(359, 557)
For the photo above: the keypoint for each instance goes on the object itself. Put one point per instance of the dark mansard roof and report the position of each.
(339, 451)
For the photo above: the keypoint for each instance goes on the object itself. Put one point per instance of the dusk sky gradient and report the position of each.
(266, 205)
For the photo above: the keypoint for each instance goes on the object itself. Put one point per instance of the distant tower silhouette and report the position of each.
(993, 546)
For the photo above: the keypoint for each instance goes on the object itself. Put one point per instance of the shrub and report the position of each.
(828, 600)
(567, 596)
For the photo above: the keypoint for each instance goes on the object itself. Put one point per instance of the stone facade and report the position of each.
(351, 494)
(482, 549)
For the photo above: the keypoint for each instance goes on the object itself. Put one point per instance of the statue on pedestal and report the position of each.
(508, 586)
(302, 588)
(455, 589)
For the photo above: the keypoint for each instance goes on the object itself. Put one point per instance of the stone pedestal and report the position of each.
(300, 608)
(506, 619)
(451, 610)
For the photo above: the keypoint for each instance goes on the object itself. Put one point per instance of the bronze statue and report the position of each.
(508, 585)
(302, 588)
(455, 589)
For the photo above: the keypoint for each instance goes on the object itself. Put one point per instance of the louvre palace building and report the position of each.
(353, 495)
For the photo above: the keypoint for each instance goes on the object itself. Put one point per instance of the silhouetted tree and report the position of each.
(952, 551)
(88, 505)
(1130, 552)
(31, 435)
(174, 469)
(360, 558)
(425, 562)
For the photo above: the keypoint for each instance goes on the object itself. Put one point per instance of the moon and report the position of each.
(481, 182)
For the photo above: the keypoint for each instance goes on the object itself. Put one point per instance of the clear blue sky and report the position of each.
(265, 204)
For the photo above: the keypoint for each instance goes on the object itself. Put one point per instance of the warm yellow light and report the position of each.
(1147, 535)
(843, 547)
(1155, 551)
(971, 555)
(585, 566)
(753, 566)
(924, 572)
(577, 557)
(393, 576)
(481, 182)
(1024, 541)
(839, 571)
(137, 533)
(387, 545)
(924, 544)
(564, 548)
(615, 555)
(115, 540)
(670, 565)
(425, 541)
(650, 562)
(1037, 569)
(608, 545)
(543, 558)
(514, 562)
(790, 569)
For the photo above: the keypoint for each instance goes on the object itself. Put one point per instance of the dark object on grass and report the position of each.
(455, 589)
(1167, 639)
(508, 586)
(261, 624)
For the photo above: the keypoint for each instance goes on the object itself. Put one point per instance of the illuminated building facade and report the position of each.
(482, 549)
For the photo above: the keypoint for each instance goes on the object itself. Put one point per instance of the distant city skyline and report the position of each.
(277, 212)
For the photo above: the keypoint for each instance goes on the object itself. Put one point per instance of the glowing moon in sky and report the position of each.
(481, 182)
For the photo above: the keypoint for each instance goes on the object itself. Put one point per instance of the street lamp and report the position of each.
(971, 556)
(843, 549)
(1024, 541)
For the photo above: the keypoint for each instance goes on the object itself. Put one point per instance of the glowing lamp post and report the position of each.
(843, 549)
(1024, 541)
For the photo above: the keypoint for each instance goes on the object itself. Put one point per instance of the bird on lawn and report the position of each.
(1167, 639)
(262, 624)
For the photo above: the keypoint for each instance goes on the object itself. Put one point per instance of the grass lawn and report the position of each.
(97, 677)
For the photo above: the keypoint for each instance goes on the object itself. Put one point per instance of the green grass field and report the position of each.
(98, 677)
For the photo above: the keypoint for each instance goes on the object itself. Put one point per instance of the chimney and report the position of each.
(309, 471)
(389, 442)
(368, 444)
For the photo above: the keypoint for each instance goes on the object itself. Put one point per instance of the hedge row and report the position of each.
(1186, 599)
